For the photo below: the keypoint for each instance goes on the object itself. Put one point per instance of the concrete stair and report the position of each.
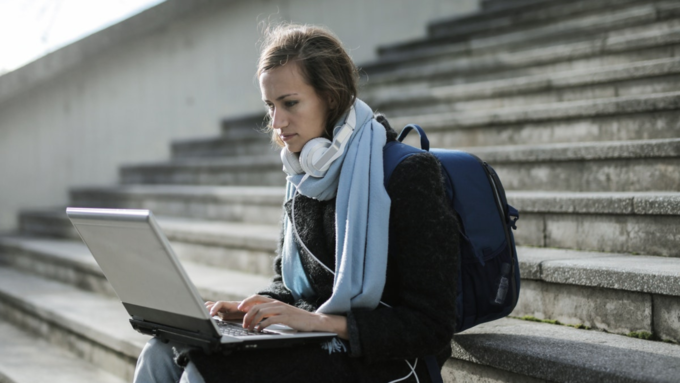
(575, 104)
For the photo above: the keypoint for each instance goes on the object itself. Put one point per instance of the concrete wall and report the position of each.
(122, 95)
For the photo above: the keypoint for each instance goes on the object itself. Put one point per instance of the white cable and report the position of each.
(413, 372)
(292, 209)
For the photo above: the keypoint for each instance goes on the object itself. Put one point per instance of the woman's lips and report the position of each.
(286, 137)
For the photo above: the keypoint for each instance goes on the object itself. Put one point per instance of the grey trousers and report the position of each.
(156, 365)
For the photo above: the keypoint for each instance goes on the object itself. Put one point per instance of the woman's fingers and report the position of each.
(253, 300)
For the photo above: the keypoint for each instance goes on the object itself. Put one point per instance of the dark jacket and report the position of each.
(421, 272)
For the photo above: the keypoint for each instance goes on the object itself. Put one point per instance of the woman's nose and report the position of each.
(279, 119)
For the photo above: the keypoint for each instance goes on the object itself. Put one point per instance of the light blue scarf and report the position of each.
(362, 212)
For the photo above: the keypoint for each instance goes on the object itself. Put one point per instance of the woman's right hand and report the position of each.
(227, 310)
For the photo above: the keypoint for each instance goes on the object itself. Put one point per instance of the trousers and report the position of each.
(156, 365)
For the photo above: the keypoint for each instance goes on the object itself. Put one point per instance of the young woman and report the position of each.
(374, 263)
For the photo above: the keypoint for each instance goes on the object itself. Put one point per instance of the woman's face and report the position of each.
(297, 112)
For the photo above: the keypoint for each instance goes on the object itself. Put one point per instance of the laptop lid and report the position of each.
(138, 261)
(141, 266)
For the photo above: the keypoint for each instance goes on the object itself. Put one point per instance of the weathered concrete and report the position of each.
(25, 358)
(667, 317)
(613, 310)
(564, 354)
(643, 274)
(620, 203)
(233, 204)
(92, 327)
(456, 370)
(455, 62)
(70, 262)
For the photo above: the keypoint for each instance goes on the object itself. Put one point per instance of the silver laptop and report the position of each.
(138, 261)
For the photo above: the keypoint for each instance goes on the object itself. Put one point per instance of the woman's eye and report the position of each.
(290, 103)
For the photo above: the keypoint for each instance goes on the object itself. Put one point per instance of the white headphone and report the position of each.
(319, 153)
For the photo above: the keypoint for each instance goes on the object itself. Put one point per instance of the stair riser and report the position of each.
(602, 175)
(255, 257)
(85, 278)
(457, 370)
(92, 279)
(654, 174)
(233, 258)
(242, 176)
(53, 332)
(619, 128)
(637, 234)
(540, 13)
(641, 86)
(49, 227)
(584, 56)
(222, 148)
(615, 311)
(183, 206)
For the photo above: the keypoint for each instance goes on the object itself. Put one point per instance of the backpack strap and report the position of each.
(393, 153)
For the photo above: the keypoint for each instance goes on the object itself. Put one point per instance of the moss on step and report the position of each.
(551, 321)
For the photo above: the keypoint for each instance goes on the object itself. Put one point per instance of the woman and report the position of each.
(396, 247)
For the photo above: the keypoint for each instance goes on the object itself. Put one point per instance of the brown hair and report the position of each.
(323, 62)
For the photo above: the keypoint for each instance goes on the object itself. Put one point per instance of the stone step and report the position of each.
(624, 222)
(257, 170)
(619, 118)
(636, 223)
(455, 64)
(222, 146)
(26, 358)
(553, 353)
(231, 245)
(617, 293)
(232, 204)
(510, 97)
(250, 125)
(93, 327)
(70, 261)
(506, 5)
(260, 170)
(641, 293)
(620, 166)
(643, 165)
(629, 117)
(536, 24)
(637, 79)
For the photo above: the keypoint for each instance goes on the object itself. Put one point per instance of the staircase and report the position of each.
(575, 104)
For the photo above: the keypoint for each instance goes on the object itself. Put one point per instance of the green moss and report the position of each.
(641, 335)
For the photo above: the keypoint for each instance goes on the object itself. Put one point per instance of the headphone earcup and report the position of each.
(291, 164)
(311, 152)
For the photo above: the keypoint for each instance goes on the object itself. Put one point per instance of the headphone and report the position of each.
(319, 153)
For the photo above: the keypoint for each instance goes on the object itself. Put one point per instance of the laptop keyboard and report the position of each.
(233, 329)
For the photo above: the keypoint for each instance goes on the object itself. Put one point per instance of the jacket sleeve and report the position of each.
(421, 272)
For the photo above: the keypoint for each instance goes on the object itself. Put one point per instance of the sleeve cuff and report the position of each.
(353, 331)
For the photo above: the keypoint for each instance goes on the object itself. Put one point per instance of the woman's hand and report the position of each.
(227, 310)
(262, 312)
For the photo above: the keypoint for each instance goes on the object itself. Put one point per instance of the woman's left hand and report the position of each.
(260, 315)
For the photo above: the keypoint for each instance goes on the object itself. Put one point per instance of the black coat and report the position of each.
(421, 282)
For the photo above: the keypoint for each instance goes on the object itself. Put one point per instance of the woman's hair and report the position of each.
(323, 62)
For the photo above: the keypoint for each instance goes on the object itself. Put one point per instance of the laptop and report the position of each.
(136, 258)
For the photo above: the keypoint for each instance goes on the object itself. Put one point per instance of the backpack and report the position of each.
(488, 279)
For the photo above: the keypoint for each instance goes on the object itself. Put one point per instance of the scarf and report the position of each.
(362, 210)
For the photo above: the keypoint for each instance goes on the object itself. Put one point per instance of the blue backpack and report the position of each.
(488, 281)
